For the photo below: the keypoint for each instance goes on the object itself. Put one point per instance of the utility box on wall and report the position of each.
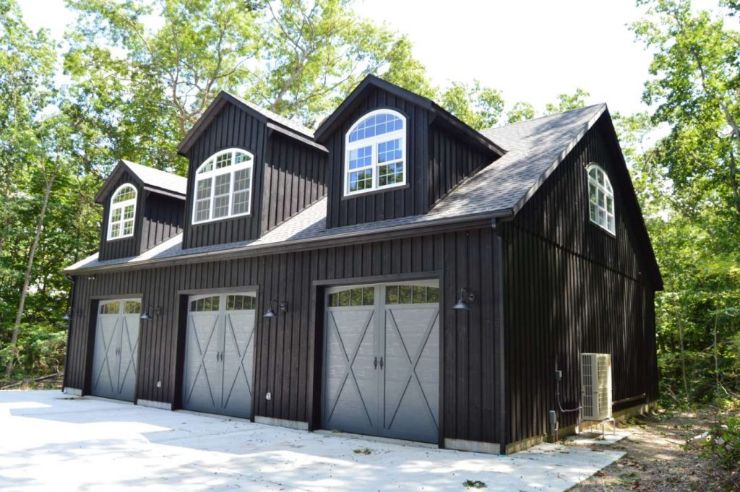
(596, 386)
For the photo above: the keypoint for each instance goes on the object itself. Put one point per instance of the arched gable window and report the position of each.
(223, 186)
(122, 212)
(375, 152)
(601, 198)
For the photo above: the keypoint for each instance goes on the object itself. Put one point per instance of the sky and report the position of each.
(530, 50)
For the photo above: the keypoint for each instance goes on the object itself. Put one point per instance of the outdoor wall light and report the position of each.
(145, 316)
(279, 306)
(91, 277)
(463, 302)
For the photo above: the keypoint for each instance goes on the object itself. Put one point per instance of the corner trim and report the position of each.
(290, 424)
(473, 446)
(72, 391)
(162, 405)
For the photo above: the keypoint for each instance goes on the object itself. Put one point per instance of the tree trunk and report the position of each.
(27, 277)
(683, 359)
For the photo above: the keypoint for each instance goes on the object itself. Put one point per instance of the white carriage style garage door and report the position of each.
(381, 364)
(219, 349)
(115, 356)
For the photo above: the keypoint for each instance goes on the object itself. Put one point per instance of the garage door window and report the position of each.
(132, 307)
(205, 304)
(240, 302)
(411, 294)
(110, 307)
(360, 296)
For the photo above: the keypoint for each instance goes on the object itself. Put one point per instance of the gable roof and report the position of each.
(350, 102)
(148, 178)
(273, 121)
(534, 149)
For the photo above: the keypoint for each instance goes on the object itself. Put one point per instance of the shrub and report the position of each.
(723, 443)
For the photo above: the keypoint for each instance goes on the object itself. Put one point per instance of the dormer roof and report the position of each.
(272, 120)
(147, 178)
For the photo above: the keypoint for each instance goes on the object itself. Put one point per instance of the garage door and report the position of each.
(381, 372)
(219, 350)
(115, 356)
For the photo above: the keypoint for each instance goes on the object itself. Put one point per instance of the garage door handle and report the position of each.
(375, 362)
(381, 363)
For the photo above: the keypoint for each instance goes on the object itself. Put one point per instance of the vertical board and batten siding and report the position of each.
(451, 161)
(295, 177)
(128, 246)
(285, 346)
(162, 219)
(231, 128)
(380, 205)
(571, 287)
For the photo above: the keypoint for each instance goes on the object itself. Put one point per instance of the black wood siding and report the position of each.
(399, 202)
(163, 218)
(236, 128)
(451, 160)
(295, 177)
(129, 246)
(571, 287)
(285, 346)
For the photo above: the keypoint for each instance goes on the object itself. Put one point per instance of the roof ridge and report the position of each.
(551, 115)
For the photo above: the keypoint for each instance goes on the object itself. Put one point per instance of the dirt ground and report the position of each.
(663, 455)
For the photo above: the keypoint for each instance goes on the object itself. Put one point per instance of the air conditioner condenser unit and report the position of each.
(596, 386)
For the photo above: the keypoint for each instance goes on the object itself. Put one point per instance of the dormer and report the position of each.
(142, 207)
(250, 170)
(393, 153)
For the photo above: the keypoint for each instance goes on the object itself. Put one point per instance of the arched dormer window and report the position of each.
(122, 212)
(600, 198)
(375, 152)
(223, 186)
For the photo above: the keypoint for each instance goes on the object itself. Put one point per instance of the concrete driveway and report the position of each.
(52, 441)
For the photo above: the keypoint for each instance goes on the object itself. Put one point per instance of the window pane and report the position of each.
(368, 296)
(390, 174)
(389, 151)
(333, 300)
(128, 212)
(356, 297)
(132, 307)
(361, 180)
(420, 294)
(127, 193)
(242, 179)
(344, 298)
(223, 184)
(432, 294)
(203, 188)
(361, 157)
(116, 216)
(110, 307)
(391, 294)
(202, 209)
(128, 227)
(224, 160)
(115, 230)
(240, 203)
(377, 124)
(242, 157)
(404, 294)
(207, 167)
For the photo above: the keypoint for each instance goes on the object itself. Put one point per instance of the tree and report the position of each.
(478, 106)
(137, 90)
(521, 111)
(567, 102)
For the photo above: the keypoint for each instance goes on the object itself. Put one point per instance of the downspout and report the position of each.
(499, 336)
(71, 311)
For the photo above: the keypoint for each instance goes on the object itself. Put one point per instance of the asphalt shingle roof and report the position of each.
(158, 179)
(534, 148)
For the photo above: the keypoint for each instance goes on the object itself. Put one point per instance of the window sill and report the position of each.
(376, 191)
(220, 219)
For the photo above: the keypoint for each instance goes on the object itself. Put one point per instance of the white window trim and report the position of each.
(373, 143)
(122, 206)
(217, 172)
(608, 193)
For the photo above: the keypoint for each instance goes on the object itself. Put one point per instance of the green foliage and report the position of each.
(520, 111)
(723, 443)
(474, 484)
(567, 102)
(478, 106)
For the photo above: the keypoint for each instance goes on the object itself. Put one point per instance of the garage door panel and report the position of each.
(237, 396)
(115, 355)
(219, 354)
(392, 388)
(203, 373)
(351, 382)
